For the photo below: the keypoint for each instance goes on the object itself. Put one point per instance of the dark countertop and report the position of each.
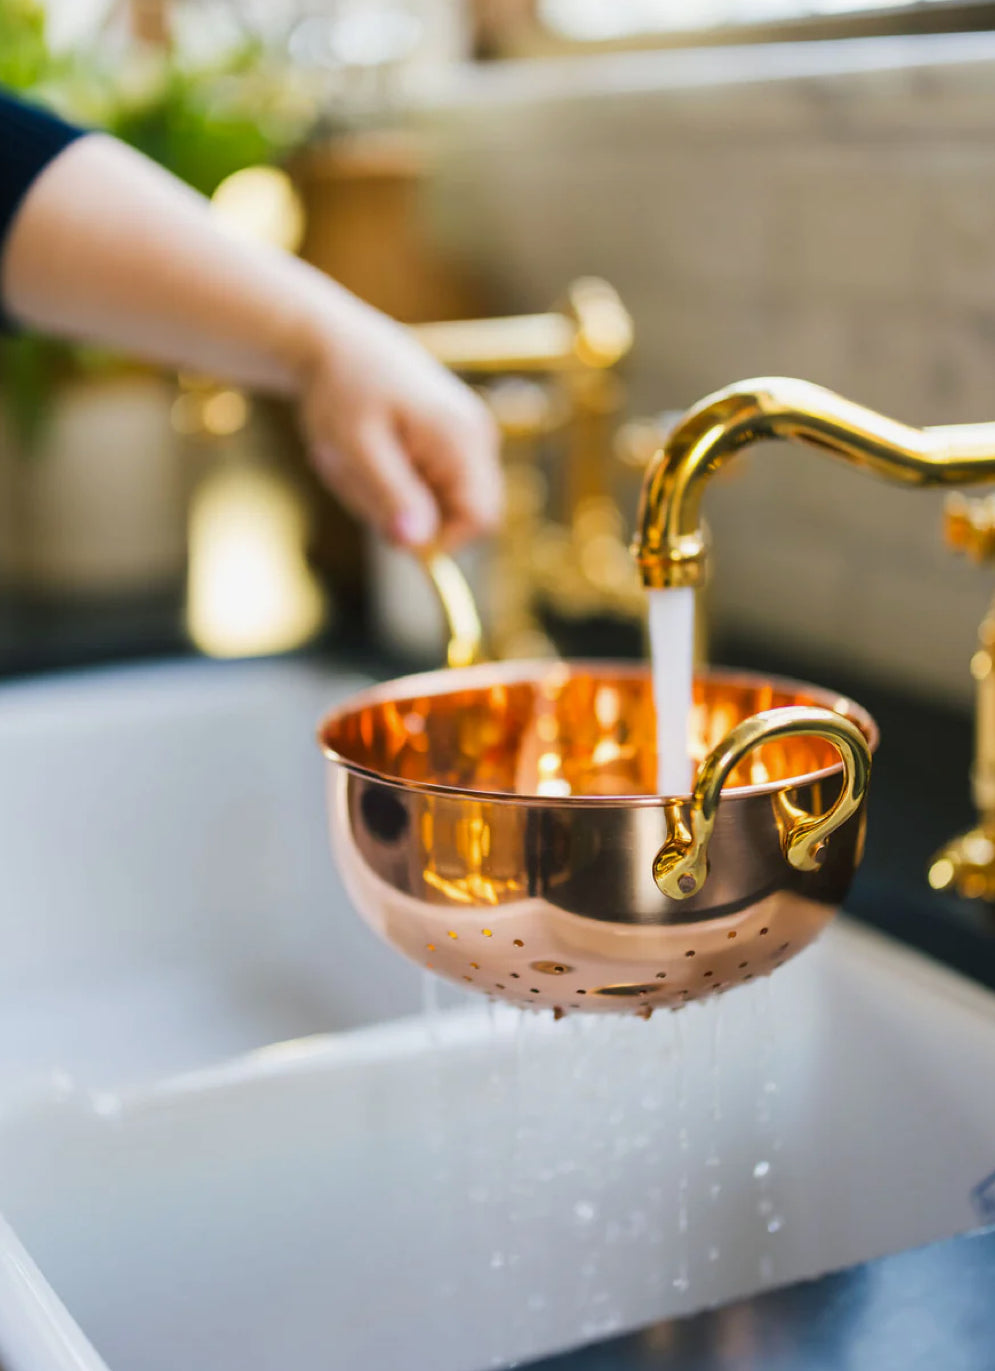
(928, 1310)
(932, 1309)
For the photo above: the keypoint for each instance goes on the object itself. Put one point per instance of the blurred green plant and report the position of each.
(24, 55)
(201, 119)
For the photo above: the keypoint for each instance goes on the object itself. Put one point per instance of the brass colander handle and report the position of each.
(681, 866)
(466, 636)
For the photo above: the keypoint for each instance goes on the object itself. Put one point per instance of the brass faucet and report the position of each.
(545, 376)
(967, 863)
(670, 545)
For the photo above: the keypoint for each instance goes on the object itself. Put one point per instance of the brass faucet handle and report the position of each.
(969, 525)
(466, 635)
(592, 330)
(604, 326)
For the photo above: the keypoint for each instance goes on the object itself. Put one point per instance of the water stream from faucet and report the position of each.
(671, 631)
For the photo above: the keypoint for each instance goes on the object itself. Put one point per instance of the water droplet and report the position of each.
(774, 1225)
(497, 1261)
(600, 1328)
(62, 1084)
(761, 1169)
(682, 1283)
(106, 1104)
(713, 1254)
(585, 1211)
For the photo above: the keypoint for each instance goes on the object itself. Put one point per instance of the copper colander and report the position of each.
(498, 824)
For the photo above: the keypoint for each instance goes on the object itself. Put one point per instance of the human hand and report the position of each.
(407, 447)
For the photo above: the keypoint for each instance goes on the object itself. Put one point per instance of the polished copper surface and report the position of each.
(499, 825)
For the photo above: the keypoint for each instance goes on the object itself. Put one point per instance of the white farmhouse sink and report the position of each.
(395, 1194)
(169, 897)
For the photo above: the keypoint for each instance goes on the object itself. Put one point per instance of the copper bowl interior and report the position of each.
(555, 730)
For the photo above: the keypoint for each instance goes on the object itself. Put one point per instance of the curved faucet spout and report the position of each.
(670, 545)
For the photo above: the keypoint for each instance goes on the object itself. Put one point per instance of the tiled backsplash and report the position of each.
(825, 211)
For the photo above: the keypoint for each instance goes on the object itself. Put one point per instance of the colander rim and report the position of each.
(446, 680)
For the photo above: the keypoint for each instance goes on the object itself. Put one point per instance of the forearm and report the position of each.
(102, 246)
(157, 277)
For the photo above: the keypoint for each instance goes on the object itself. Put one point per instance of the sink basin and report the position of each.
(230, 1140)
(168, 894)
(459, 1192)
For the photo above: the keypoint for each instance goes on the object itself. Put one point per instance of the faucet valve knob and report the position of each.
(969, 525)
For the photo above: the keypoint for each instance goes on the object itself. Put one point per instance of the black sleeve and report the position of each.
(29, 139)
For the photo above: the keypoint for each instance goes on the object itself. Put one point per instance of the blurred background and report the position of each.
(597, 211)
